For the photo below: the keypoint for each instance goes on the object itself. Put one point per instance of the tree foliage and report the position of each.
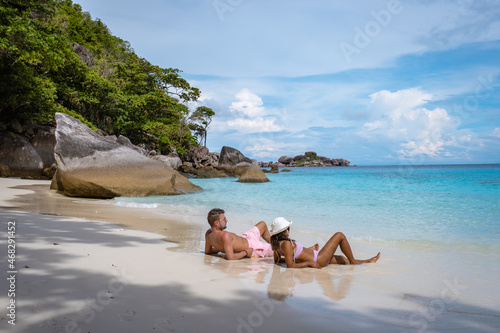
(55, 58)
(201, 118)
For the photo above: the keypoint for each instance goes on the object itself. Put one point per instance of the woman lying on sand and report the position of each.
(297, 256)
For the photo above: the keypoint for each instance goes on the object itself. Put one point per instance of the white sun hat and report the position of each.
(279, 224)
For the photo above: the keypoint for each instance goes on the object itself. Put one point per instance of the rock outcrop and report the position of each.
(309, 159)
(274, 168)
(18, 154)
(208, 172)
(124, 141)
(83, 53)
(91, 166)
(172, 161)
(4, 171)
(44, 142)
(230, 157)
(285, 159)
(252, 174)
(201, 163)
(26, 149)
(340, 162)
(234, 163)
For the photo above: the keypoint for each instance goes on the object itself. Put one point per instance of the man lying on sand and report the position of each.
(236, 247)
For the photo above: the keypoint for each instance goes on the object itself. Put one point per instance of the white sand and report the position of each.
(80, 275)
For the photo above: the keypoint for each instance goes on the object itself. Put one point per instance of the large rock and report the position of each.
(90, 166)
(208, 172)
(83, 53)
(19, 155)
(172, 161)
(234, 163)
(124, 141)
(201, 157)
(285, 159)
(340, 162)
(274, 169)
(44, 142)
(4, 171)
(252, 174)
(15, 126)
(230, 157)
(326, 161)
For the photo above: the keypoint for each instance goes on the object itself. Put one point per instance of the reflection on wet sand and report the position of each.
(187, 233)
(283, 282)
(254, 270)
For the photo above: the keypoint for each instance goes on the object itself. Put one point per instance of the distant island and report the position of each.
(309, 159)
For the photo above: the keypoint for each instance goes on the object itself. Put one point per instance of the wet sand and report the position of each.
(109, 268)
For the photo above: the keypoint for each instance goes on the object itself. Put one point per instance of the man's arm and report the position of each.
(228, 249)
(209, 249)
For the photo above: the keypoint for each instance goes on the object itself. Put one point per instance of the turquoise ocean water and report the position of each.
(449, 206)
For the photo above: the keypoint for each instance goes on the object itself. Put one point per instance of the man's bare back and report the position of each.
(225, 241)
(235, 247)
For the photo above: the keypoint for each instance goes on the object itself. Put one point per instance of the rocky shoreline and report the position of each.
(36, 151)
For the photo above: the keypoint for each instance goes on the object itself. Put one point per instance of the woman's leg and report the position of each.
(339, 260)
(326, 255)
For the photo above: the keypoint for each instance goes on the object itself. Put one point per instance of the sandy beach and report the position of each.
(81, 266)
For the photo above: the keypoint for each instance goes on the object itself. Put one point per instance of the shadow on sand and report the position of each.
(49, 296)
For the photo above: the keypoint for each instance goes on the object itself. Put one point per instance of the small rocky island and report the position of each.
(309, 159)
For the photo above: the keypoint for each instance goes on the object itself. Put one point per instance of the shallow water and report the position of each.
(455, 206)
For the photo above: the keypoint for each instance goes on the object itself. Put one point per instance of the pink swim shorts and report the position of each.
(260, 247)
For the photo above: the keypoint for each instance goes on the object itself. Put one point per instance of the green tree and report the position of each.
(55, 58)
(201, 118)
(29, 51)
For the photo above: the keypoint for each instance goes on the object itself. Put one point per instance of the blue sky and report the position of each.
(374, 82)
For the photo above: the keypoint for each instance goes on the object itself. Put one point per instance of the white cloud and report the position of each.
(264, 149)
(374, 125)
(258, 124)
(248, 104)
(432, 149)
(402, 117)
(249, 114)
(273, 148)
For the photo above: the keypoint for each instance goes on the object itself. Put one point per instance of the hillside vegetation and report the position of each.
(55, 58)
